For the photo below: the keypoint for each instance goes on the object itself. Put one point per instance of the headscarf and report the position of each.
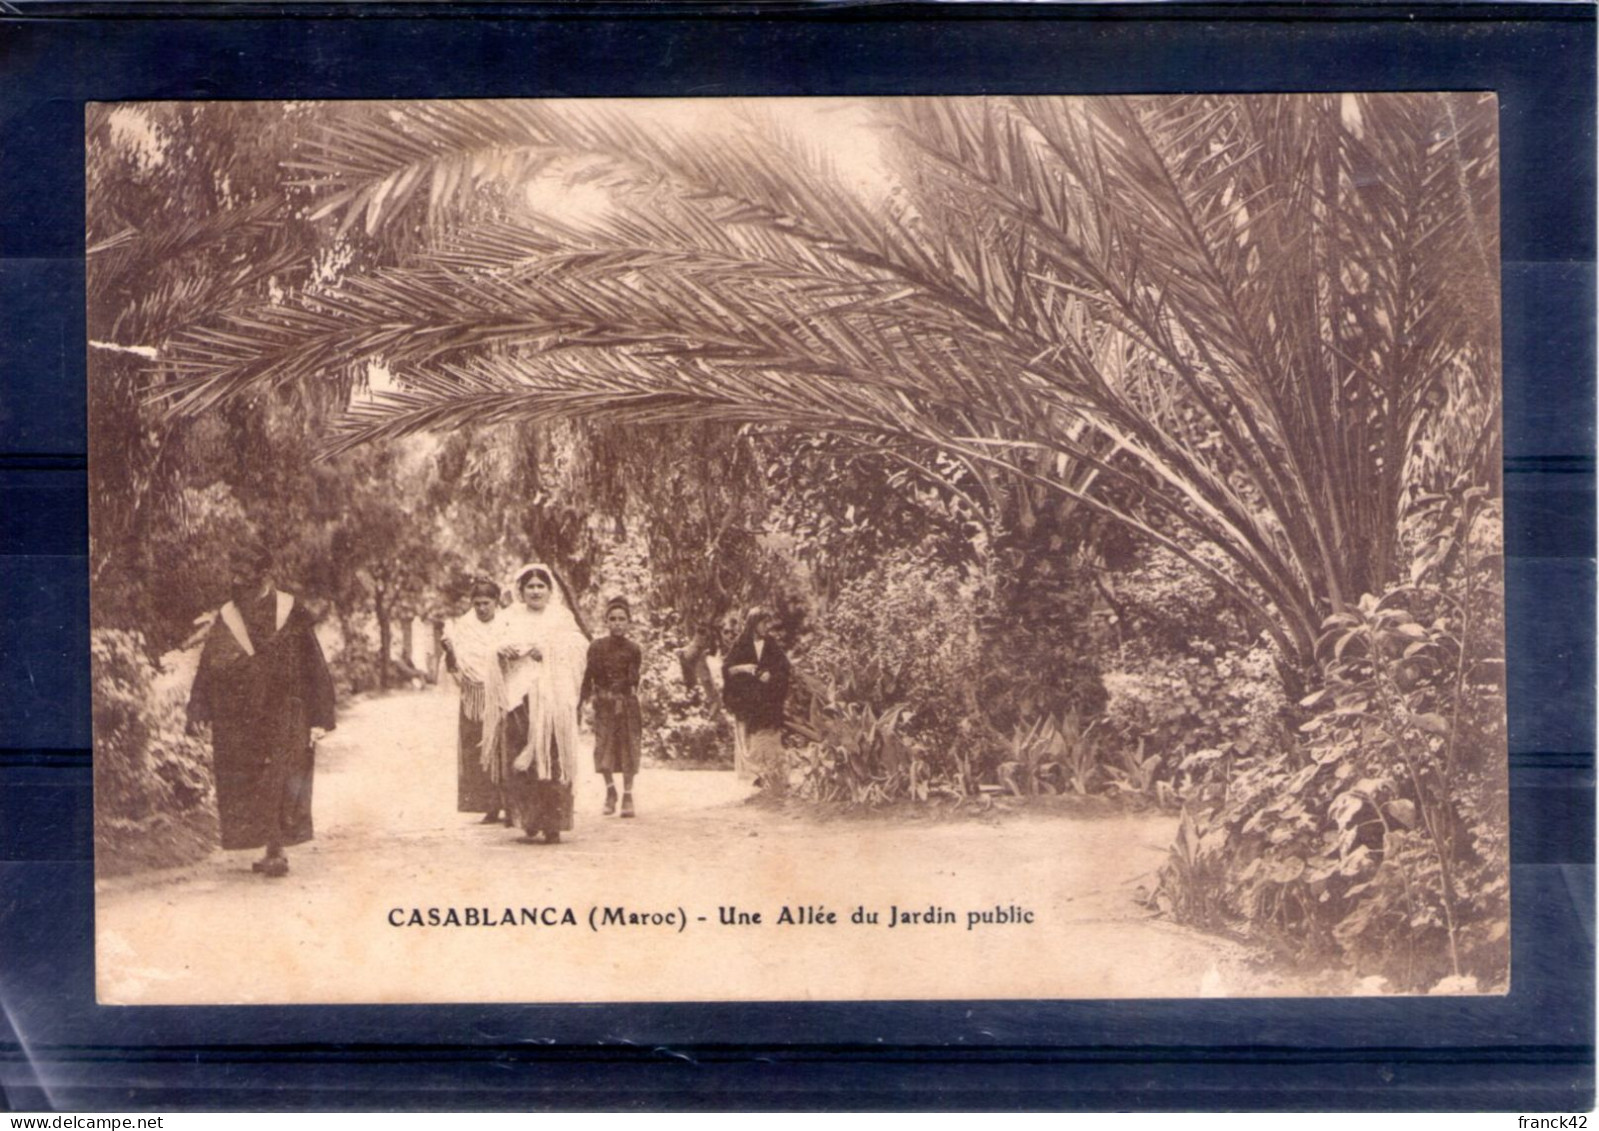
(560, 591)
(473, 641)
(519, 578)
(751, 619)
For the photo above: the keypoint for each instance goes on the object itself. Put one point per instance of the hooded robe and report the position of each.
(263, 684)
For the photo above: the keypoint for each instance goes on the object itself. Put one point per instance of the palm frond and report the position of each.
(1242, 312)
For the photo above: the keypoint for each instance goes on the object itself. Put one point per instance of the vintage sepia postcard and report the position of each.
(797, 549)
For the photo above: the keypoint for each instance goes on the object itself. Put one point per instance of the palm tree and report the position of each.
(1239, 325)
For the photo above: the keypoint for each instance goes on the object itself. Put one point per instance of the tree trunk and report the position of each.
(346, 634)
(385, 638)
(436, 657)
(406, 639)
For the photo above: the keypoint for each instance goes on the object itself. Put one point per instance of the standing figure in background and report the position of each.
(265, 689)
(533, 691)
(611, 680)
(701, 666)
(470, 642)
(755, 687)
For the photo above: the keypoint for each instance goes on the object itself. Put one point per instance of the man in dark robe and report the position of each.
(756, 688)
(265, 688)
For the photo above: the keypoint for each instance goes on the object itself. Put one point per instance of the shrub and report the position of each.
(1188, 684)
(1380, 836)
(355, 665)
(903, 636)
(1163, 603)
(1042, 645)
(154, 800)
(1210, 703)
(691, 737)
(856, 754)
(983, 674)
(1054, 754)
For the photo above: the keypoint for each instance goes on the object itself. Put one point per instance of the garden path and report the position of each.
(390, 843)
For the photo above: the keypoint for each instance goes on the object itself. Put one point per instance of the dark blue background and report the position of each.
(1531, 1051)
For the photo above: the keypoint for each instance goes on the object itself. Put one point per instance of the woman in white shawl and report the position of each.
(470, 643)
(532, 747)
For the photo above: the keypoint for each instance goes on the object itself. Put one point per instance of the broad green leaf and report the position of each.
(1431, 723)
(1402, 811)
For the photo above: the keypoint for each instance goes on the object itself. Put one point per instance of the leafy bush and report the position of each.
(1056, 754)
(1189, 684)
(1224, 702)
(840, 536)
(1042, 646)
(951, 657)
(692, 738)
(903, 636)
(855, 754)
(1380, 836)
(355, 664)
(677, 724)
(1135, 777)
(1163, 603)
(154, 801)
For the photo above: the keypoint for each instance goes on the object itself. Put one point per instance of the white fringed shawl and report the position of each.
(550, 685)
(473, 642)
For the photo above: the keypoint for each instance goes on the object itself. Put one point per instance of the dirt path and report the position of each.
(657, 908)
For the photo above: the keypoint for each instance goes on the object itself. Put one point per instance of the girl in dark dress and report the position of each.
(611, 680)
(755, 687)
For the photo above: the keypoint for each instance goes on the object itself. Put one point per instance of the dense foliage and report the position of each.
(1381, 836)
(154, 803)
